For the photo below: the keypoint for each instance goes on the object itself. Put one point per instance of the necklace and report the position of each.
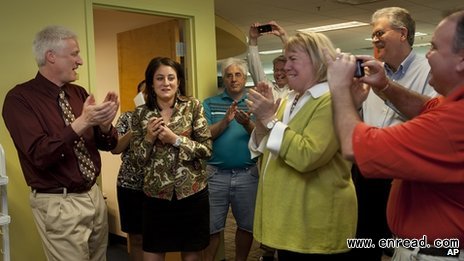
(295, 101)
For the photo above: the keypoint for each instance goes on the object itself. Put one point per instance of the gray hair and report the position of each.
(50, 39)
(240, 63)
(398, 17)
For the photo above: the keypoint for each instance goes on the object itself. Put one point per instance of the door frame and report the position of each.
(186, 35)
(111, 163)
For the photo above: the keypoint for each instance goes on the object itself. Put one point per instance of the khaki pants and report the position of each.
(73, 226)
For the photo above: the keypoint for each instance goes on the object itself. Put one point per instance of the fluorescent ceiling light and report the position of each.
(422, 45)
(415, 35)
(332, 27)
(419, 34)
(271, 51)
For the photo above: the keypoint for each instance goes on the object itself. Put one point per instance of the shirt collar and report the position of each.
(404, 66)
(48, 86)
(319, 89)
(316, 91)
(457, 94)
(182, 98)
(225, 95)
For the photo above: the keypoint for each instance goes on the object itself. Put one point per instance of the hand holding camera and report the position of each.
(265, 28)
(359, 72)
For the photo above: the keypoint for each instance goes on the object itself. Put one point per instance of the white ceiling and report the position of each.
(298, 14)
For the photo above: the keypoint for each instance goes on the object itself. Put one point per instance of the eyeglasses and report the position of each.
(379, 33)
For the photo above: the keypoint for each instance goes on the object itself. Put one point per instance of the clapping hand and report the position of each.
(261, 103)
(111, 101)
(97, 115)
(230, 113)
(154, 128)
(165, 135)
(242, 117)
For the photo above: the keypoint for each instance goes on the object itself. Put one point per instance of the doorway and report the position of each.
(108, 23)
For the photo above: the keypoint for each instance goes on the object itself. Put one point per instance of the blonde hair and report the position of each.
(313, 43)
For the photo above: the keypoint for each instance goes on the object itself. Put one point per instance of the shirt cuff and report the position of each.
(256, 149)
(275, 137)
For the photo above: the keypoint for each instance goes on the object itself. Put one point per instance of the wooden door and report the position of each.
(135, 50)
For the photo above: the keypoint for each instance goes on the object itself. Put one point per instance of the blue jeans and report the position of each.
(235, 188)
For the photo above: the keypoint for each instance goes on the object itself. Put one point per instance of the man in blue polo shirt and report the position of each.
(232, 174)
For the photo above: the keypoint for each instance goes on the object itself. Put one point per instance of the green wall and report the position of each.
(21, 19)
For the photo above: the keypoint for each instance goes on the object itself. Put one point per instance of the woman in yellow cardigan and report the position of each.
(306, 202)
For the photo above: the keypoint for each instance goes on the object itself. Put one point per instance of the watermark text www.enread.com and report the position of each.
(452, 244)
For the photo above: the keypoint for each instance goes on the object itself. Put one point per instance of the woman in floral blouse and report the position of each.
(172, 141)
(129, 185)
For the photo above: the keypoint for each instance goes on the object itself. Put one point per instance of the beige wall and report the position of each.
(21, 19)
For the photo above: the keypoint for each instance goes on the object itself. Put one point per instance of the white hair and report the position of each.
(240, 63)
(50, 39)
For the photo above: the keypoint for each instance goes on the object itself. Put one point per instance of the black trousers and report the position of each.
(372, 197)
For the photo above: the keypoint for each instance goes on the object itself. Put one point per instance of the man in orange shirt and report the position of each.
(424, 156)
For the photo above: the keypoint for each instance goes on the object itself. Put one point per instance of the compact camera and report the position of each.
(264, 28)
(359, 69)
